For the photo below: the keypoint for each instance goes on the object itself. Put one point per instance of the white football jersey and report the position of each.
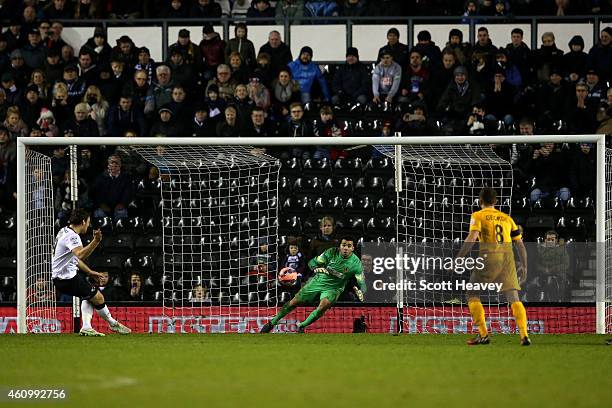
(65, 264)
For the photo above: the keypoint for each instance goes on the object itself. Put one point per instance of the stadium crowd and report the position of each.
(230, 89)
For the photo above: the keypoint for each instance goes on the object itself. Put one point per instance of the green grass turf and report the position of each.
(362, 370)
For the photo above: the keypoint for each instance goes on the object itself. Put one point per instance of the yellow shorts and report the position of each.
(499, 268)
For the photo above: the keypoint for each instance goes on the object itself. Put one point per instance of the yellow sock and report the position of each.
(520, 314)
(478, 315)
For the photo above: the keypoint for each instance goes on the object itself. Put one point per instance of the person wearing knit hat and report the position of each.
(456, 102)
(350, 83)
(575, 61)
(399, 51)
(428, 49)
(305, 72)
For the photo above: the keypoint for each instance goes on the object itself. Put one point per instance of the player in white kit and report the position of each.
(68, 260)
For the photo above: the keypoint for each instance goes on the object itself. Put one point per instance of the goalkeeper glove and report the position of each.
(359, 293)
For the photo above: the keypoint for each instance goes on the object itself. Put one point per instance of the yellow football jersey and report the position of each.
(494, 226)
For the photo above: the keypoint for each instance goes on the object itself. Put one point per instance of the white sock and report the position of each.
(86, 314)
(106, 315)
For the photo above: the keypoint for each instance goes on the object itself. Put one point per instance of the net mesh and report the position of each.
(608, 243)
(39, 235)
(219, 211)
(440, 190)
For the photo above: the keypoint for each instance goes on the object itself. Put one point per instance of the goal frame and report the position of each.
(600, 206)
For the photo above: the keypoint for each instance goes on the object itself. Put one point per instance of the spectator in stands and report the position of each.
(415, 122)
(261, 9)
(4, 105)
(580, 114)
(54, 38)
(4, 53)
(124, 117)
(53, 67)
(242, 45)
(18, 69)
(258, 126)
(34, 52)
(14, 124)
(460, 49)
(327, 126)
(138, 89)
(285, 91)
(28, 19)
(146, 64)
(413, 79)
(160, 92)
(297, 125)
(354, 8)
(76, 86)
(216, 105)
(600, 56)
(548, 165)
(511, 72)
(582, 169)
(46, 123)
(484, 45)
(112, 191)
(126, 52)
(201, 124)
(100, 47)
(200, 293)
(59, 164)
(182, 110)
(292, 10)
(441, 76)
(547, 57)
(166, 125)
(87, 69)
(98, 107)
(351, 81)
(12, 93)
(471, 10)
(88, 9)
(105, 286)
(212, 48)
(126, 9)
(429, 51)
(182, 73)
(243, 105)
(575, 61)
(138, 292)
(205, 9)
(397, 50)
(38, 79)
(551, 98)
(480, 70)
(294, 259)
(596, 89)
(67, 56)
(520, 54)
(258, 93)
(457, 100)
(305, 72)
(8, 153)
(386, 78)
(81, 125)
(240, 72)
(265, 70)
(230, 127)
(190, 51)
(604, 115)
(326, 238)
(225, 83)
(56, 10)
(279, 52)
(30, 106)
(550, 280)
(175, 9)
(479, 123)
(500, 98)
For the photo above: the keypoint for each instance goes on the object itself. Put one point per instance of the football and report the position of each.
(288, 276)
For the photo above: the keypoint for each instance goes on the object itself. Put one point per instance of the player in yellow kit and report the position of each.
(497, 233)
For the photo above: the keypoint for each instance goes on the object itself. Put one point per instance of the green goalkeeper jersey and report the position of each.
(338, 269)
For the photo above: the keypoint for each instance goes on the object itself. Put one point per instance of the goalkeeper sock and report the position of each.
(285, 310)
(86, 314)
(478, 316)
(520, 314)
(105, 313)
(313, 317)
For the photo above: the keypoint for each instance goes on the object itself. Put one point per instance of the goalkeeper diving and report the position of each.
(333, 270)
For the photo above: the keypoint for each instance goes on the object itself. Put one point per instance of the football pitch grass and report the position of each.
(314, 370)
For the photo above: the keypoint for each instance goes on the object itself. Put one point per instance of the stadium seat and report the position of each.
(360, 206)
(348, 167)
(321, 168)
(291, 167)
(307, 185)
(381, 167)
(118, 244)
(113, 264)
(152, 243)
(338, 185)
(8, 245)
(285, 185)
(8, 265)
(105, 224)
(132, 224)
(329, 205)
(385, 206)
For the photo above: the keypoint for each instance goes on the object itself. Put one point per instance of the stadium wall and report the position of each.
(151, 319)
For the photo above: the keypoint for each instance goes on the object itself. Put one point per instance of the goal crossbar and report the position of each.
(600, 220)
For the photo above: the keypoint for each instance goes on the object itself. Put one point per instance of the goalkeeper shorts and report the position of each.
(314, 292)
(78, 285)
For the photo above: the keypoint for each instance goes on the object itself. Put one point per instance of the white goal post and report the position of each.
(600, 201)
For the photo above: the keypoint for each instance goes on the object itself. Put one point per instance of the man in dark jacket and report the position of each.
(112, 191)
(398, 50)
(34, 52)
(351, 81)
(205, 9)
(279, 52)
(520, 55)
(123, 117)
(191, 52)
(212, 49)
(458, 98)
(600, 56)
(485, 46)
